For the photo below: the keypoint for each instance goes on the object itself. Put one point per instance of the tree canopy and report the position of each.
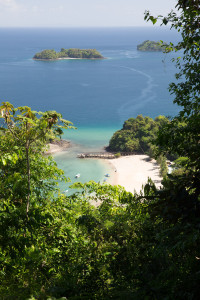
(152, 46)
(24, 134)
(68, 53)
(137, 135)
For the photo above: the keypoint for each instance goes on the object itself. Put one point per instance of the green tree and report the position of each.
(28, 135)
(181, 136)
(137, 135)
(36, 221)
(46, 54)
(174, 210)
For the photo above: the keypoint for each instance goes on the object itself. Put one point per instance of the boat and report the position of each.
(77, 175)
(107, 175)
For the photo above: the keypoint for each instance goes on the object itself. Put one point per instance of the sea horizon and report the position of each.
(97, 96)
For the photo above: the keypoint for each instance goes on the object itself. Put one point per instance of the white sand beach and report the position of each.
(133, 171)
(63, 58)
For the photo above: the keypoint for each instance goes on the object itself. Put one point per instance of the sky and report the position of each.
(80, 13)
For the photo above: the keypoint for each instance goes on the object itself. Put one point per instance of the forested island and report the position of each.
(152, 46)
(51, 54)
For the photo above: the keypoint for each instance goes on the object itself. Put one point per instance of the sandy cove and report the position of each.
(133, 171)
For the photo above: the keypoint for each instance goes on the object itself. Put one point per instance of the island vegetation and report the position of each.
(153, 46)
(145, 246)
(68, 53)
(138, 135)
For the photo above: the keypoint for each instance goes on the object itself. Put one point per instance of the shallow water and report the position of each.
(85, 140)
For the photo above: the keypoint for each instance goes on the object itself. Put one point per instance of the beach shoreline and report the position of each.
(132, 172)
(68, 58)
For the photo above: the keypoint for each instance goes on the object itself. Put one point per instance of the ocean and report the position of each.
(96, 95)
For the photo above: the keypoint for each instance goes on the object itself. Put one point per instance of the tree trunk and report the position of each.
(29, 180)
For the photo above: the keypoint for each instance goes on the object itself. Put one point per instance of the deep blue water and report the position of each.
(87, 92)
(96, 95)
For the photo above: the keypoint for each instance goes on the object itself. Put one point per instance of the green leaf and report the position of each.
(153, 20)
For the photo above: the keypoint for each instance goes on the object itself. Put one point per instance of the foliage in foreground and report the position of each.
(128, 247)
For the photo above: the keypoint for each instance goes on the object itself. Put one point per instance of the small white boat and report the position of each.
(107, 175)
(77, 175)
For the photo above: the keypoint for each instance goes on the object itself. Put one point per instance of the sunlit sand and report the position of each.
(133, 171)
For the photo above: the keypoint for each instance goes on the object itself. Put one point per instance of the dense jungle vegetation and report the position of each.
(137, 135)
(68, 53)
(142, 246)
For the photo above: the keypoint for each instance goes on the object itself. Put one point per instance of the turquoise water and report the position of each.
(85, 139)
(96, 95)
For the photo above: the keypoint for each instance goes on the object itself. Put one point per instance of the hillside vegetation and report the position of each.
(137, 135)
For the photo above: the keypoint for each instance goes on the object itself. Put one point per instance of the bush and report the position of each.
(117, 155)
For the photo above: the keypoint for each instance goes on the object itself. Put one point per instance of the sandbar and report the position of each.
(133, 171)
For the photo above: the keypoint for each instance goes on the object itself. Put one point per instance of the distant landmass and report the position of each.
(152, 46)
(67, 54)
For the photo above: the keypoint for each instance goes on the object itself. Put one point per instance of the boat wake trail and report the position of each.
(133, 107)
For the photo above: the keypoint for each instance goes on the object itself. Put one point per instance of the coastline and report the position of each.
(61, 58)
(57, 146)
(133, 171)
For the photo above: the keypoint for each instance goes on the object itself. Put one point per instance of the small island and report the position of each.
(68, 54)
(152, 46)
